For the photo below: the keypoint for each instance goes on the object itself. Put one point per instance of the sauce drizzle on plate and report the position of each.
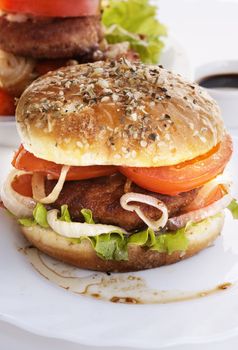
(116, 288)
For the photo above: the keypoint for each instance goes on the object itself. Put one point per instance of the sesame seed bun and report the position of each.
(117, 113)
(83, 255)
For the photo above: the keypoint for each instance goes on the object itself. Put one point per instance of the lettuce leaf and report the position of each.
(233, 207)
(65, 215)
(142, 31)
(111, 246)
(27, 222)
(171, 242)
(88, 216)
(40, 215)
(114, 245)
(167, 242)
(143, 238)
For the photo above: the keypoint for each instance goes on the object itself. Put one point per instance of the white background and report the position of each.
(208, 30)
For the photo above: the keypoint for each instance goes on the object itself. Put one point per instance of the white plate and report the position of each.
(33, 303)
(174, 58)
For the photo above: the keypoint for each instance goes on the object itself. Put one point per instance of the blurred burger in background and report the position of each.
(40, 36)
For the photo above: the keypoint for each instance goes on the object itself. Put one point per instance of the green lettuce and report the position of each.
(163, 243)
(142, 31)
(39, 217)
(143, 238)
(114, 245)
(27, 222)
(88, 216)
(65, 215)
(233, 207)
(171, 242)
(111, 246)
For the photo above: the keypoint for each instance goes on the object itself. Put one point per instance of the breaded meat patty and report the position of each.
(102, 196)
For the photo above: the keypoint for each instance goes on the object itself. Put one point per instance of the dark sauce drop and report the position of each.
(220, 81)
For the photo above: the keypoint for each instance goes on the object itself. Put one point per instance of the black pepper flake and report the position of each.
(160, 66)
(168, 97)
(185, 98)
(152, 136)
(156, 80)
(192, 87)
(167, 117)
(194, 101)
(108, 273)
(163, 89)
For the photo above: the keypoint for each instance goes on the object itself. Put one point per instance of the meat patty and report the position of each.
(102, 196)
(54, 38)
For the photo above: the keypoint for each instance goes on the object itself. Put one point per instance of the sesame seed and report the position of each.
(115, 97)
(155, 159)
(134, 117)
(133, 154)
(103, 83)
(79, 144)
(203, 139)
(143, 143)
(117, 156)
(105, 99)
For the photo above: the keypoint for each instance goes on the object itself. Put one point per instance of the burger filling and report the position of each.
(107, 208)
(102, 196)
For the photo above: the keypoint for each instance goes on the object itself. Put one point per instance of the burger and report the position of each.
(120, 167)
(40, 36)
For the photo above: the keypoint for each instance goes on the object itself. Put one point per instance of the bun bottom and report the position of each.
(82, 255)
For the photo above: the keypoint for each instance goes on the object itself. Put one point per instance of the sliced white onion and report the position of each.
(15, 71)
(38, 187)
(205, 191)
(78, 229)
(149, 200)
(200, 214)
(17, 204)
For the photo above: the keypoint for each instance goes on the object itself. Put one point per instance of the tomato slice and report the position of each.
(52, 8)
(22, 185)
(7, 103)
(185, 176)
(24, 160)
(216, 194)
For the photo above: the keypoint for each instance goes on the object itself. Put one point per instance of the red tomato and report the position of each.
(7, 103)
(213, 196)
(25, 160)
(183, 177)
(22, 185)
(52, 8)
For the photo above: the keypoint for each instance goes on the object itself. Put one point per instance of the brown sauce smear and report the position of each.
(116, 288)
